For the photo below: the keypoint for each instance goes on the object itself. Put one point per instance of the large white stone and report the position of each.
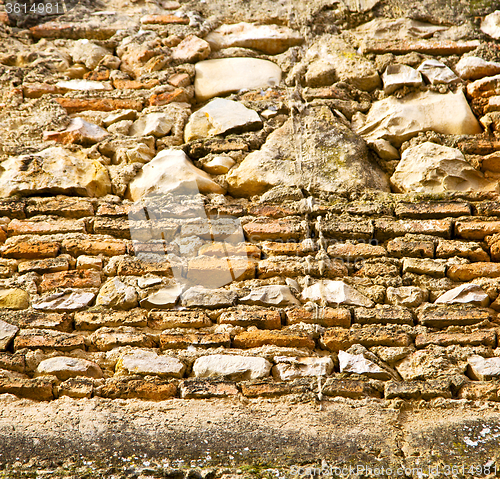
(231, 367)
(65, 367)
(156, 124)
(335, 292)
(220, 116)
(171, 171)
(491, 24)
(432, 168)
(437, 72)
(484, 369)
(398, 120)
(397, 76)
(55, 170)
(269, 39)
(117, 295)
(165, 298)
(312, 151)
(7, 333)
(288, 368)
(358, 364)
(473, 68)
(468, 293)
(84, 85)
(226, 75)
(146, 363)
(273, 295)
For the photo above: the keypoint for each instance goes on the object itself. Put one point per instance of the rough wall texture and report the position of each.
(239, 238)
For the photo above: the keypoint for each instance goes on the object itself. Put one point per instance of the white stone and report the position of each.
(200, 297)
(491, 24)
(84, 85)
(396, 29)
(397, 76)
(484, 369)
(117, 295)
(55, 170)
(269, 39)
(78, 131)
(398, 120)
(335, 292)
(64, 301)
(473, 68)
(156, 124)
(220, 116)
(384, 149)
(288, 368)
(360, 5)
(274, 295)
(119, 116)
(147, 363)
(219, 165)
(231, 367)
(358, 364)
(164, 298)
(432, 168)
(7, 333)
(65, 367)
(437, 72)
(226, 75)
(88, 53)
(191, 49)
(171, 171)
(89, 262)
(468, 293)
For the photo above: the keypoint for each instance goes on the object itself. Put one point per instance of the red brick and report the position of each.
(76, 105)
(30, 250)
(37, 90)
(94, 246)
(178, 95)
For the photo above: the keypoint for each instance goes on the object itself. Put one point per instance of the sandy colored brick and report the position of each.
(70, 279)
(47, 339)
(201, 340)
(152, 389)
(476, 230)
(354, 251)
(403, 247)
(94, 246)
(386, 229)
(198, 388)
(349, 388)
(327, 317)
(336, 339)
(178, 319)
(468, 272)
(44, 226)
(92, 320)
(76, 105)
(281, 229)
(263, 319)
(426, 210)
(445, 316)
(476, 338)
(286, 339)
(463, 249)
(39, 389)
(383, 315)
(105, 339)
(30, 250)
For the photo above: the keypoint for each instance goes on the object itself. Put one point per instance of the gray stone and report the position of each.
(117, 295)
(491, 24)
(408, 296)
(397, 76)
(271, 39)
(398, 120)
(164, 298)
(218, 117)
(226, 75)
(288, 368)
(473, 68)
(484, 369)
(66, 367)
(55, 170)
(231, 367)
(322, 155)
(200, 297)
(7, 333)
(171, 171)
(148, 363)
(358, 364)
(468, 293)
(432, 168)
(335, 292)
(273, 295)
(437, 72)
(64, 301)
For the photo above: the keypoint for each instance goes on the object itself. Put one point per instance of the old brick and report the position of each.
(463, 249)
(94, 246)
(77, 388)
(200, 340)
(211, 272)
(263, 319)
(290, 268)
(117, 227)
(443, 317)
(484, 87)
(476, 230)
(337, 339)
(356, 251)
(468, 272)
(105, 339)
(12, 362)
(223, 250)
(383, 315)
(401, 247)
(178, 319)
(164, 20)
(198, 388)
(386, 229)
(33, 249)
(42, 266)
(39, 389)
(178, 95)
(429, 267)
(273, 388)
(135, 84)
(349, 388)
(346, 230)
(70, 279)
(38, 320)
(272, 211)
(179, 80)
(417, 389)
(13, 208)
(429, 47)
(60, 206)
(76, 105)
(37, 90)
(132, 266)
(42, 225)
(47, 339)
(478, 146)
(152, 389)
(286, 339)
(328, 317)
(74, 30)
(281, 229)
(476, 338)
(479, 390)
(432, 210)
(92, 320)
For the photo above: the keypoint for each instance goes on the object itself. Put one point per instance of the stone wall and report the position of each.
(303, 209)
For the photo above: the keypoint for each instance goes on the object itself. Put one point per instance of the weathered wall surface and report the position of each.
(253, 236)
